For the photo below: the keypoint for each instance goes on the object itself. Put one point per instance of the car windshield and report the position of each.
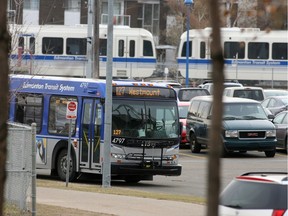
(284, 100)
(254, 195)
(245, 111)
(136, 119)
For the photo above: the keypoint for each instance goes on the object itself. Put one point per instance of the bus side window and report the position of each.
(29, 109)
(57, 115)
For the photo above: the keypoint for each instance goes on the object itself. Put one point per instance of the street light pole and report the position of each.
(188, 4)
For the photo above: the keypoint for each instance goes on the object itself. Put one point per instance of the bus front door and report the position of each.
(90, 132)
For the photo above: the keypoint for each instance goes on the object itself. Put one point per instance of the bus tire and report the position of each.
(62, 165)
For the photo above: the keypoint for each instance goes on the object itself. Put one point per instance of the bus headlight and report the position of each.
(118, 156)
(271, 133)
(231, 133)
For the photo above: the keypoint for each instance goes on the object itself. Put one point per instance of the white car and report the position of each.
(209, 85)
(256, 194)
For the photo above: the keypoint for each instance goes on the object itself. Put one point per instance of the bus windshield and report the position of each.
(144, 119)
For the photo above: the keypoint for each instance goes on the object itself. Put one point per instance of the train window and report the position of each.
(279, 51)
(132, 48)
(29, 109)
(103, 47)
(52, 45)
(183, 53)
(257, 50)
(21, 43)
(32, 45)
(121, 48)
(202, 49)
(147, 48)
(76, 46)
(231, 49)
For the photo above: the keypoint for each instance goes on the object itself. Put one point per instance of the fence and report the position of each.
(20, 185)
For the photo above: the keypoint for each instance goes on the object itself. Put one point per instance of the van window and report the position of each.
(194, 108)
(204, 109)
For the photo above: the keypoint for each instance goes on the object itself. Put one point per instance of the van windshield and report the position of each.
(243, 111)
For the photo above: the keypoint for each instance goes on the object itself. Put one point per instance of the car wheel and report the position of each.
(270, 153)
(62, 166)
(194, 145)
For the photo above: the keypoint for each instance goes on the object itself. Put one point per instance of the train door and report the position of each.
(91, 134)
(126, 53)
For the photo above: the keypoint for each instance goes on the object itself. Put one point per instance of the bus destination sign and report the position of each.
(143, 92)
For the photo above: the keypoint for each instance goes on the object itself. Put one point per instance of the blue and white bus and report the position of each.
(145, 125)
(249, 54)
(60, 50)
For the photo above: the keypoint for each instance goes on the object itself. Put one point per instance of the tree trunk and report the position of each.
(215, 140)
(4, 41)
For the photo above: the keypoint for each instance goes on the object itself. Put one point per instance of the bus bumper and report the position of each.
(136, 169)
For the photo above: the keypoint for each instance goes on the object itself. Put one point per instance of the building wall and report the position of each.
(51, 12)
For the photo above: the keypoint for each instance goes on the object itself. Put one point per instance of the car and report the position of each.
(255, 93)
(281, 123)
(183, 109)
(255, 193)
(209, 85)
(275, 92)
(276, 104)
(246, 126)
(186, 94)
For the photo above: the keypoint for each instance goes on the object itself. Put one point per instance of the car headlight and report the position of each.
(231, 133)
(271, 133)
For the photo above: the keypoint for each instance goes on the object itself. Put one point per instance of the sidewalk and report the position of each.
(116, 204)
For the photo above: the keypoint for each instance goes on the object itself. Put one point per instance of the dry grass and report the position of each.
(47, 210)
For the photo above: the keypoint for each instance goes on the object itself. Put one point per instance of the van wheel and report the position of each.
(270, 153)
(194, 145)
(62, 166)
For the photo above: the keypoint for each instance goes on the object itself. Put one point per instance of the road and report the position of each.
(194, 173)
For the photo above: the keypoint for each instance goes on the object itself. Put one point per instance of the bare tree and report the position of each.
(4, 41)
(216, 145)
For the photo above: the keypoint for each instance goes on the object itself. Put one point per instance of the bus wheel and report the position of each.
(194, 145)
(132, 180)
(62, 166)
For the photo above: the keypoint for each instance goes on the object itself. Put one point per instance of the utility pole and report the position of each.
(95, 72)
(90, 40)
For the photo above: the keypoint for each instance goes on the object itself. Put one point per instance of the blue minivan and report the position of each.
(245, 125)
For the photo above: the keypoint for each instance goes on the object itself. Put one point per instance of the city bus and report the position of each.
(251, 56)
(145, 125)
(62, 50)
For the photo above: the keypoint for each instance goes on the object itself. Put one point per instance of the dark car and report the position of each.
(245, 125)
(255, 193)
(276, 104)
(186, 94)
(281, 123)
